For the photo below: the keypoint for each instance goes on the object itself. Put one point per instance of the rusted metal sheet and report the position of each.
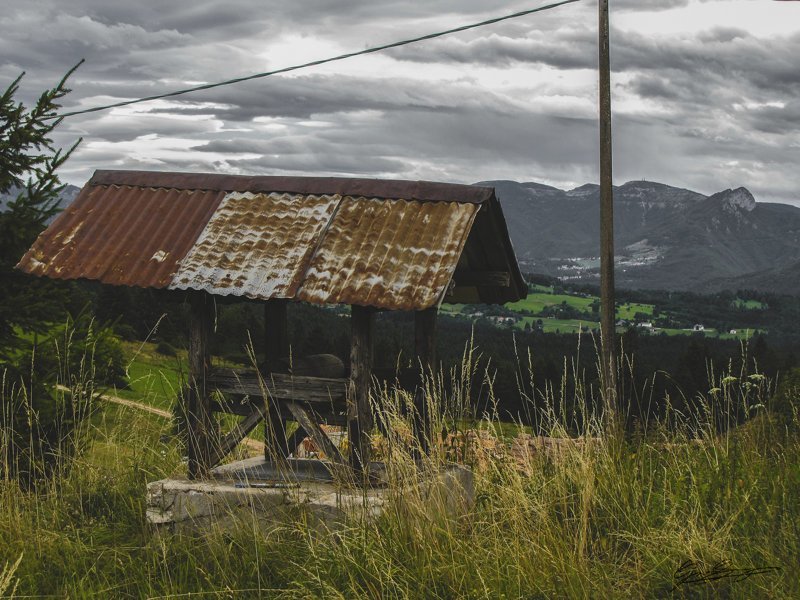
(393, 254)
(256, 245)
(388, 244)
(122, 235)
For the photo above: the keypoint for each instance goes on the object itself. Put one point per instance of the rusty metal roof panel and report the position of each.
(392, 254)
(388, 244)
(256, 245)
(122, 235)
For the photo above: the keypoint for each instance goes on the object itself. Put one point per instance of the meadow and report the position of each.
(542, 302)
(670, 510)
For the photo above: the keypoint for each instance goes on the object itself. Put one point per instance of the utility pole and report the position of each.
(607, 306)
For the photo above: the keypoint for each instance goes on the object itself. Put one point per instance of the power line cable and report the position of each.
(313, 63)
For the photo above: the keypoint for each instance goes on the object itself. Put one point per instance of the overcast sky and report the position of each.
(706, 93)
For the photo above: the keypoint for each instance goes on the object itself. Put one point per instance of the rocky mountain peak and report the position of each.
(741, 198)
(735, 201)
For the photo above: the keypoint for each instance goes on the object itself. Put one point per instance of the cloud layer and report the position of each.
(705, 93)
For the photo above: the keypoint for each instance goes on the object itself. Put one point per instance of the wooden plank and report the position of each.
(425, 350)
(232, 407)
(309, 424)
(329, 415)
(482, 278)
(237, 434)
(359, 411)
(198, 414)
(314, 390)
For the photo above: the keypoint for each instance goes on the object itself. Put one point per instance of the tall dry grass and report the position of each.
(576, 518)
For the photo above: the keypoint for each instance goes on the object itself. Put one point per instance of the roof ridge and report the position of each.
(422, 191)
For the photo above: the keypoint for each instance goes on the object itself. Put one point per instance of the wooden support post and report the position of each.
(425, 351)
(275, 433)
(276, 332)
(359, 411)
(199, 422)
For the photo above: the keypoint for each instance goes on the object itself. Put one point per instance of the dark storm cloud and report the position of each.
(731, 53)
(571, 50)
(417, 144)
(775, 119)
(304, 97)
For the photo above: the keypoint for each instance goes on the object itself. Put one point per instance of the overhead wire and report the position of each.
(312, 63)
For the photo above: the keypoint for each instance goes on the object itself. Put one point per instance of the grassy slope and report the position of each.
(602, 521)
(152, 377)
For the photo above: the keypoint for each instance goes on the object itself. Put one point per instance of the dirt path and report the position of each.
(139, 405)
(249, 442)
(252, 444)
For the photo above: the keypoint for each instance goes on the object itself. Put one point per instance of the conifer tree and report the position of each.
(28, 165)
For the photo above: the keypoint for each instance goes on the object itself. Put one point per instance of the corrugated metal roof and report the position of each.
(389, 253)
(256, 245)
(122, 235)
(388, 244)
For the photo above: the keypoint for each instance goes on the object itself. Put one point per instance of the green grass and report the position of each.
(153, 378)
(628, 311)
(607, 519)
(749, 304)
(538, 301)
(550, 325)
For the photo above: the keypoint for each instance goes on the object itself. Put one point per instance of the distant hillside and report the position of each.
(67, 195)
(666, 237)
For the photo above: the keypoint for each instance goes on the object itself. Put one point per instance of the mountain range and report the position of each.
(665, 237)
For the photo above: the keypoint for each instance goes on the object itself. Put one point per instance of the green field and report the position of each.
(537, 301)
(542, 297)
(749, 304)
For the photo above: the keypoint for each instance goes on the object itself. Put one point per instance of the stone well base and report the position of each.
(259, 489)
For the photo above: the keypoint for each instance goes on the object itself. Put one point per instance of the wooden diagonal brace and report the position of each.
(237, 434)
(321, 439)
